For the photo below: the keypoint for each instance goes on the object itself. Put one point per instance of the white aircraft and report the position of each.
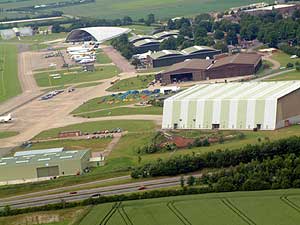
(5, 119)
(84, 61)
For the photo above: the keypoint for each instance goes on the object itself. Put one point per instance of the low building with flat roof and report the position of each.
(40, 164)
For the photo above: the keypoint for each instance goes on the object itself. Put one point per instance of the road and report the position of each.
(16, 202)
(273, 75)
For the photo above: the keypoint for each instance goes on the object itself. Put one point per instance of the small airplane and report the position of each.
(5, 119)
(84, 61)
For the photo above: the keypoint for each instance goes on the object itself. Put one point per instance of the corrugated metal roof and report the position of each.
(42, 158)
(166, 33)
(164, 53)
(247, 90)
(39, 151)
(145, 41)
(240, 58)
(139, 37)
(230, 105)
(99, 33)
(196, 48)
(193, 64)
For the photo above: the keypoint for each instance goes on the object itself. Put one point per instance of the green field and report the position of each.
(131, 126)
(134, 83)
(283, 58)
(280, 207)
(138, 110)
(6, 134)
(137, 8)
(91, 84)
(293, 75)
(93, 144)
(102, 58)
(9, 82)
(72, 76)
(141, 29)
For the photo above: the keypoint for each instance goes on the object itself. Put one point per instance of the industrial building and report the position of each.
(99, 34)
(38, 164)
(16, 32)
(170, 57)
(146, 45)
(234, 106)
(241, 64)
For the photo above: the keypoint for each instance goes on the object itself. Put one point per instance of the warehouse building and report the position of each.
(40, 164)
(146, 45)
(241, 64)
(234, 106)
(99, 34)
(170, 57)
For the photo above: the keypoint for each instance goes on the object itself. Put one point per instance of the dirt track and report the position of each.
(118, 59)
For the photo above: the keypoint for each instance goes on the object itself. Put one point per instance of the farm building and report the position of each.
(99, 34)
(170, 57)
(38, 164)
(234, 106)
(146, 45)
(204, 69)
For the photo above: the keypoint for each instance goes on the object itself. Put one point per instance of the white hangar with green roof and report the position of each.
(238, 106)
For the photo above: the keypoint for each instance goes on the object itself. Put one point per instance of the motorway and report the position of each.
(87, 193)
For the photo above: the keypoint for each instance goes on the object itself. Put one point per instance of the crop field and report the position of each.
(137, 8)
(9, 82)
(280, 207)
(75, 76)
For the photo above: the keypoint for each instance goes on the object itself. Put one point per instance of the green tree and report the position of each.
(191, 180)
(182, 181)
(169, 44)
(150, 19)
(218, 34)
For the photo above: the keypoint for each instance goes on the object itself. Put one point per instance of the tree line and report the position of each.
(280, 172)
(220, 159)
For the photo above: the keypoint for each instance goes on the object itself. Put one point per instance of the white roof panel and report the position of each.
(100, 34)
(39, 152)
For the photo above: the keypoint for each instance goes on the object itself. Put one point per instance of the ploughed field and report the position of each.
(280, 207)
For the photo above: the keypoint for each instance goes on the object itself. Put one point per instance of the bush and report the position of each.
(289, 65)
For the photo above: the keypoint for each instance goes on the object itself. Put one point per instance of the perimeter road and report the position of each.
(87, 193)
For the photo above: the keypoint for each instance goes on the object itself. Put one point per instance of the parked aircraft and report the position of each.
(5, 119)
